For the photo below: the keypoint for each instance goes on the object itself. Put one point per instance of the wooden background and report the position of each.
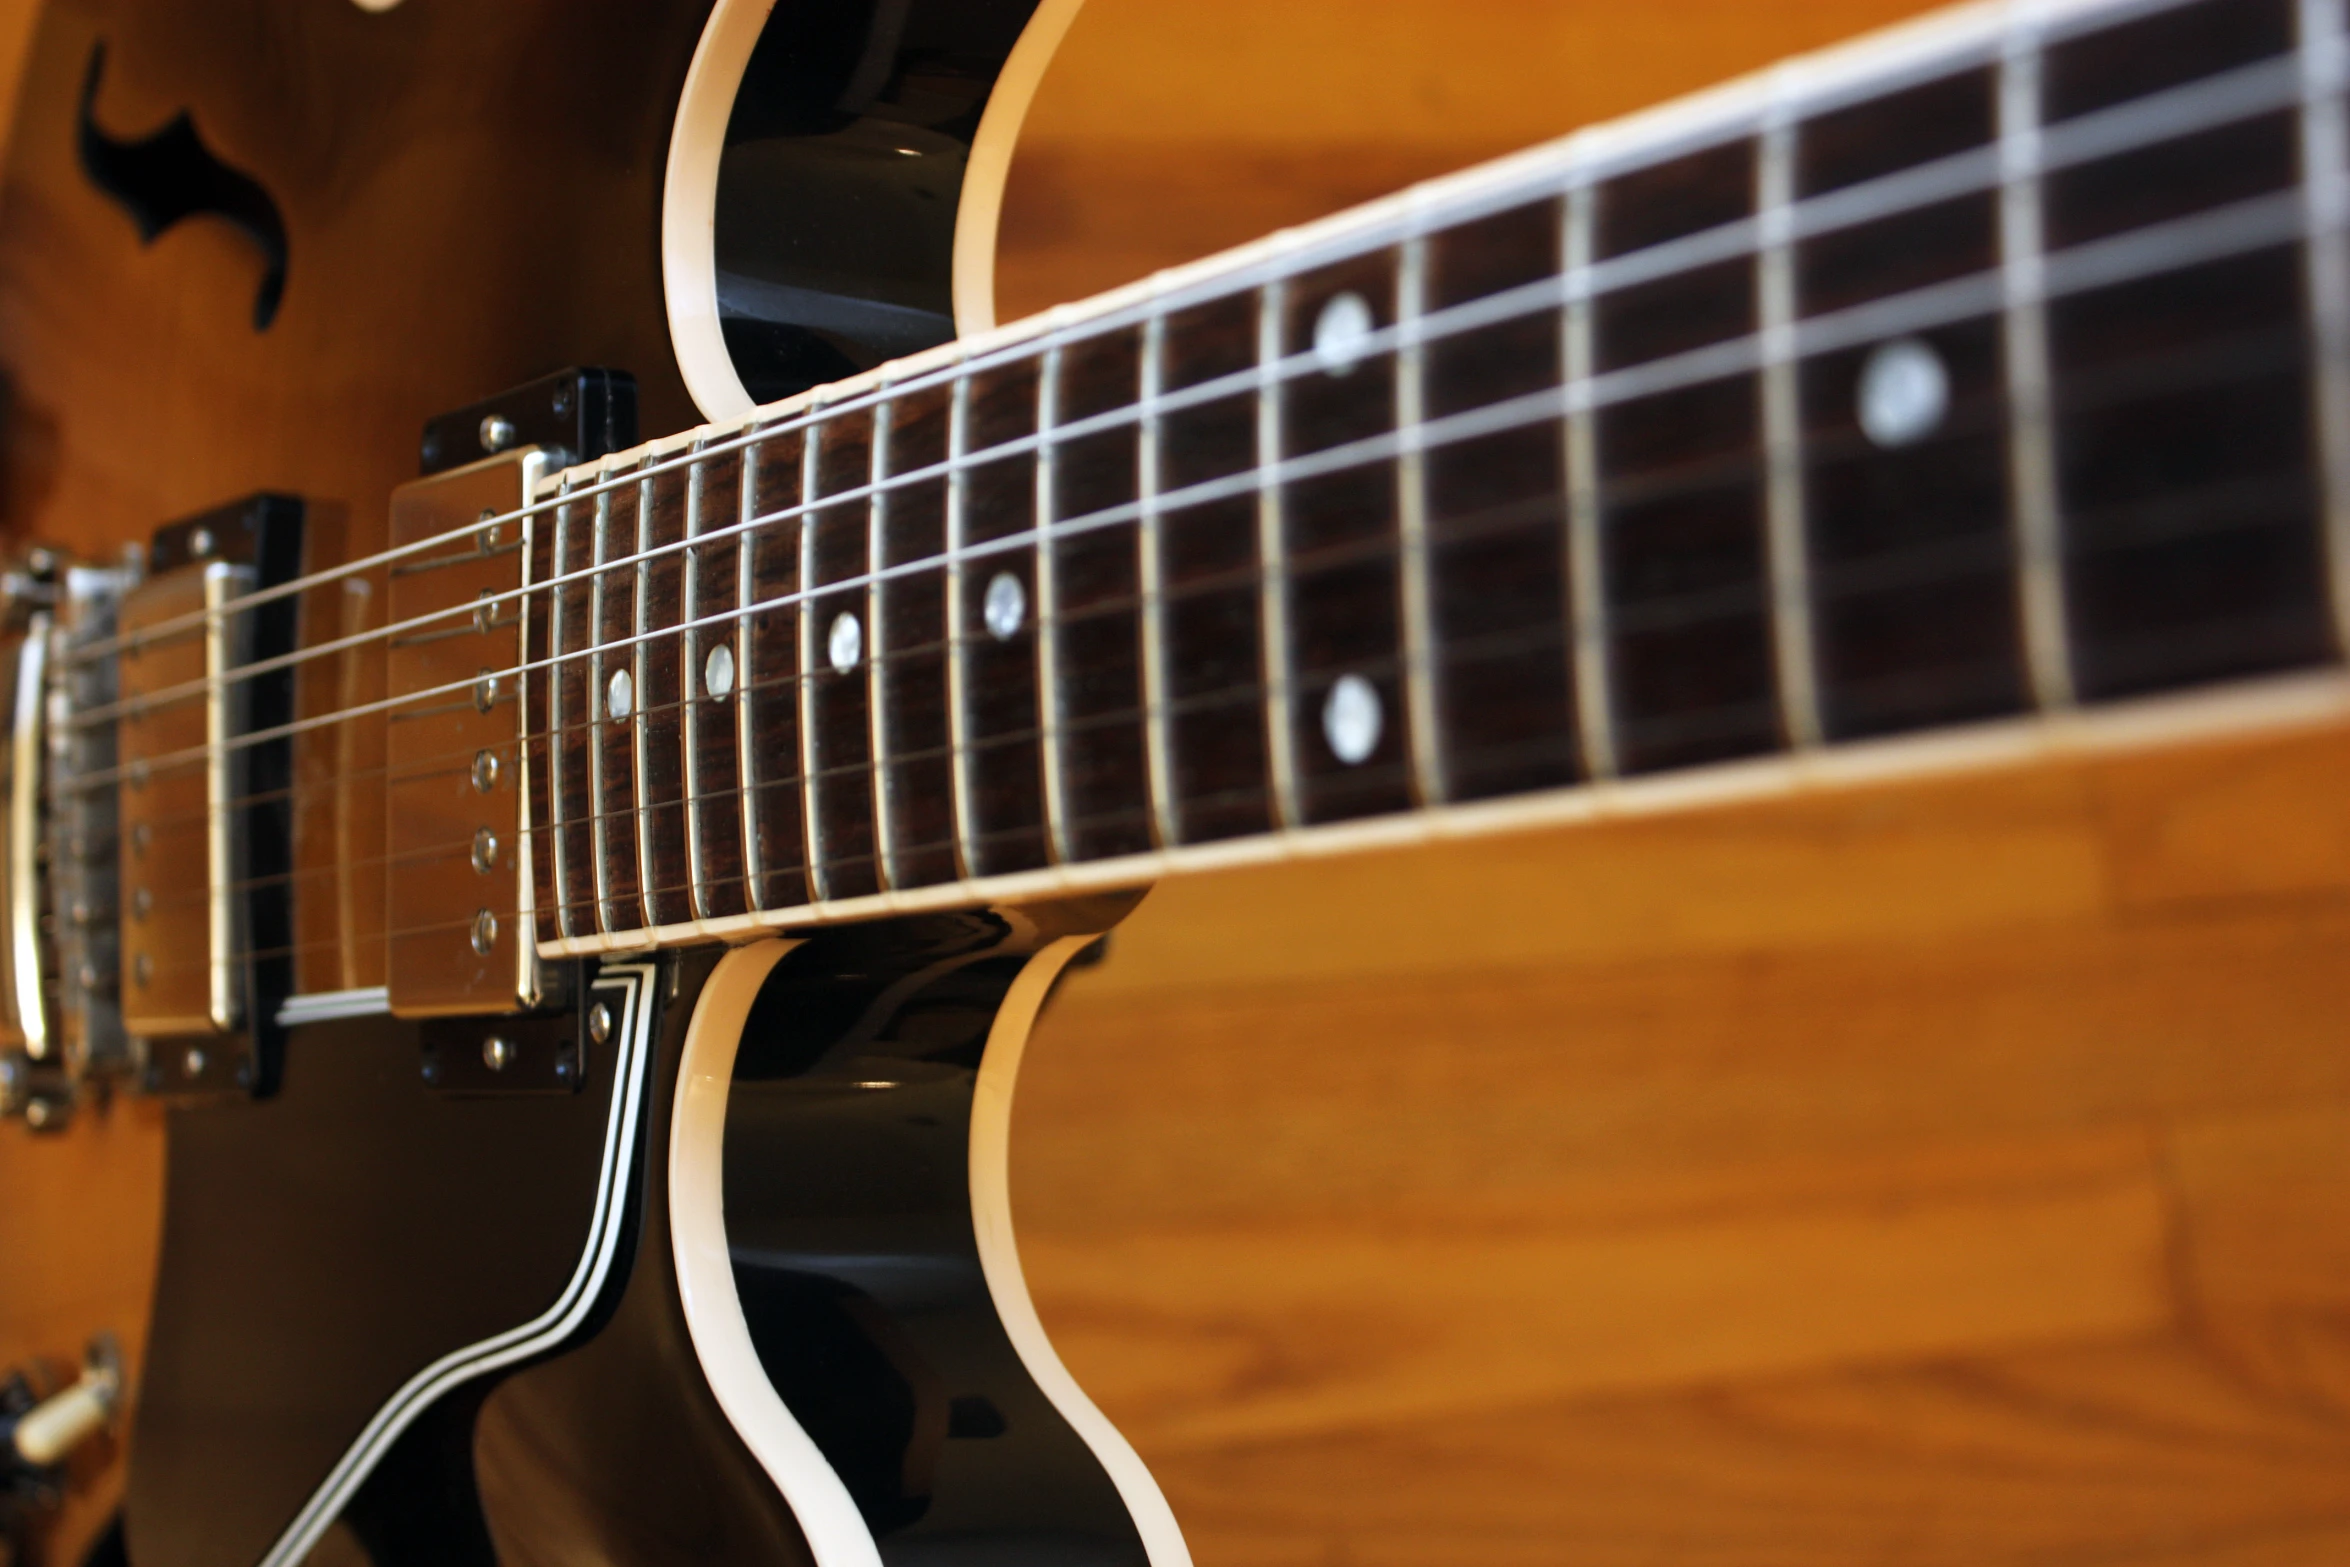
(1949, 1174)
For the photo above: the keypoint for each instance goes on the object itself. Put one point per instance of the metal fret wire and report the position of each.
(558, 846)
(2031, 441)
(597, 711)
(2214, 234)
(746, 751)
(957, 634)
(689, 677)
(1787, 555)
(1274, 669)
(1048, 598)
(2165, 116)
(641, 691)
(1418, 631)
(876, 692)
(1158, 733)
(811, 805)
(1587, 583)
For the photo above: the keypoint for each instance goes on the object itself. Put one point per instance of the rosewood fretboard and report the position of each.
(1994, 368)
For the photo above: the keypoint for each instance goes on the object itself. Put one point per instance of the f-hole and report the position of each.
(170, 175)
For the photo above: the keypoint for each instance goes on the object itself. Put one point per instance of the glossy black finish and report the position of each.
(580, 413)
(323, 1246)
(849, 1218)
(837, 191)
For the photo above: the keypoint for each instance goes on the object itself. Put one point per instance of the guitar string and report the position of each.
(2248, 226)
(2165, 117)
(1944, 561)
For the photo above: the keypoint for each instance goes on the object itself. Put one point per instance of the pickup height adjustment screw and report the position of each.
(497, 1052)
(485, 850)
(200, 543)
(497, 433)
(600, 1023)
(485, 771)
(485, 933)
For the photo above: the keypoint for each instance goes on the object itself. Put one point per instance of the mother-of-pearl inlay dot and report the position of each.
(1352, 720)
(845, 644)
(1341, 331)
(1904, 393)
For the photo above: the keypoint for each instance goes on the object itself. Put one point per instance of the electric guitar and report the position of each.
(581, 849)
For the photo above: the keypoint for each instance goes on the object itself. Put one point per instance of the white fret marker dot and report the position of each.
(1006, 606)
(619, 695)
(1339, 332)
(846, 642)
(1904, 392)
(1351, 719)
(718, 671)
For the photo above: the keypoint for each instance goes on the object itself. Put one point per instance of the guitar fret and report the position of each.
(559, 815)
(2325, 136)
(747, 675)
(958, 636)
(716, 793)
(1789, 553)
(1095, 622)
(910, 610)
(1002, 694)
(599, 818)
(1419, 651)
(1588, 640)
(690, 607)
(1158, 748)
(640, 623)
(1048, 616)
(810, 656)
(878, 650)
(777, 848)
(659, 717)
(1275, 668)
(1683, 531)
(2031, 435)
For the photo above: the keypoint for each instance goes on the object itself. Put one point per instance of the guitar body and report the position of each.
(1929, 1173)
(369, 1286)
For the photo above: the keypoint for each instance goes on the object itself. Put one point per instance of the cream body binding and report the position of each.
(689, 190)
(713, 1311)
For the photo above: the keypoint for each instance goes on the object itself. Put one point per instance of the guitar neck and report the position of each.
(1978, 373)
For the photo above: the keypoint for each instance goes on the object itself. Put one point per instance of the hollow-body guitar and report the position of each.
(584, 897)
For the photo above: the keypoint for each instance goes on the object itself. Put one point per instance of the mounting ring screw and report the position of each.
(485, 933)
(497, 433)
(497, 1052)
(432, 1069)
(561, 402)
(485, 771)
(192, 1064)
(600, 1023)
(200, 543)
